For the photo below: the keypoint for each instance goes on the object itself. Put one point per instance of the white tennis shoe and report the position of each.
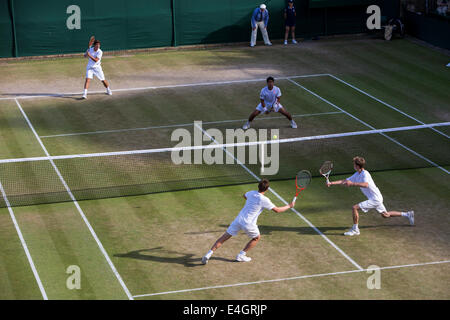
(108, 91)
(205, 259)
(84, 96)
(285, 41)
(352, 232)
(246, 125)
(293, 124)
(243, 258)
(294, 41)
(411, 217)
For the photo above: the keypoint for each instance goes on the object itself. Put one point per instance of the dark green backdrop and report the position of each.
(39, 27)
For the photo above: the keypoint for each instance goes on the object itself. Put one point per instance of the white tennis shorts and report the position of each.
(274, 108)
(97, 71)
(372, 204)
(251, 230)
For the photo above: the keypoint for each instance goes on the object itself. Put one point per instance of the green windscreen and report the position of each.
(338, 3)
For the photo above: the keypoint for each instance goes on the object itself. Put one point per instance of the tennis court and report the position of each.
(77, 193)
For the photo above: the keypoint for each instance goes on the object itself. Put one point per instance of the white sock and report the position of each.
(243, 252)
(355, 227)
(85, 91)
(209, 254)
(108, 89)
(405, 214)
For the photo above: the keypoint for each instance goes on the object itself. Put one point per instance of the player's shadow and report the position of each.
(205, 232)
(49, 95)
(267, 230)
(159, 254)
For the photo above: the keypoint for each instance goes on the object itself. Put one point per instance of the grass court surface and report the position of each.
(150, 246)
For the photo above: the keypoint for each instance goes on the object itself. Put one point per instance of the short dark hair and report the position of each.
(359, 161)
(270, 78)
(263, 185)
(96, 41)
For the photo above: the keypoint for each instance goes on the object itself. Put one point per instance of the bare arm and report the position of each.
(263, 103)
(283, 209)
(90, 56)
(358, 184)
(348, 183)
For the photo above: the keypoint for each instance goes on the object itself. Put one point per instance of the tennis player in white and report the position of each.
(94, 68)
(246, 221)
(363, 179)
(270, 102)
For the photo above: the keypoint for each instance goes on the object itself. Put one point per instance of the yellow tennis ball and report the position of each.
(275, 137)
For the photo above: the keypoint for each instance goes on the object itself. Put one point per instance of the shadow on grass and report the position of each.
(267, 230)
(205, 232)
(72, 96)
(159, 254)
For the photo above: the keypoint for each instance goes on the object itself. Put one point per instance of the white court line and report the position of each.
(386, 104)
(371, 127)
(285, 202)
(290, 278)
(24, 244)
(183, 125)
(94, 235)
(50, 95)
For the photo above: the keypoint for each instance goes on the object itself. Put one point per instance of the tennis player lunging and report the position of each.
(246, 221)
(363, 179)
(270, 102)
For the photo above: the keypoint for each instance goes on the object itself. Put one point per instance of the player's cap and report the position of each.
(291, 1)
(263, 6)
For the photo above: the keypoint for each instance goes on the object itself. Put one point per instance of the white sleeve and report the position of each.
(279, 93)
(366, 177)
(261, 95)
(352, 178)
(268, 204)
(99, 55)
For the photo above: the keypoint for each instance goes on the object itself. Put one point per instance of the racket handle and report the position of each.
(295, 199)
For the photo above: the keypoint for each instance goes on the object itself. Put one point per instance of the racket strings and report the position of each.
(326, 168)
(303, 179)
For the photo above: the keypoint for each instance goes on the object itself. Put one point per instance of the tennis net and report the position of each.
(39, 180)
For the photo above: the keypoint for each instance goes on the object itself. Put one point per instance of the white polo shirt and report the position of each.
(255, 204)
(96, 54)
(371, 192)
(270, 96)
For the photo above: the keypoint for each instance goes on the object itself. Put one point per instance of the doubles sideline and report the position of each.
(83, 216)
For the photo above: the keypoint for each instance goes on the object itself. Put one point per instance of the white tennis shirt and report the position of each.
(371, 192)
(255, 204)
(270, 96)
(96, 54)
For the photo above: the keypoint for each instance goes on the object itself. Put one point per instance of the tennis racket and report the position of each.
(302, 180)
(91, 41)
(325, 169)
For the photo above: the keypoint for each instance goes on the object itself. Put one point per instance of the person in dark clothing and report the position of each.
(289, 21)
